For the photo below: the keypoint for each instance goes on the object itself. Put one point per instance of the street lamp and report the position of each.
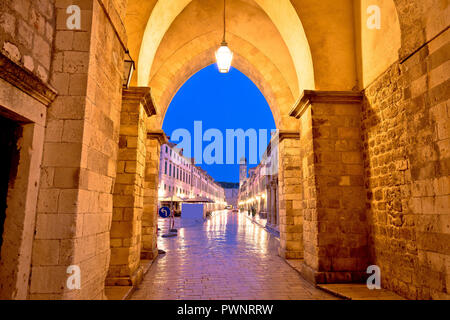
(224, 56)
(129, 67)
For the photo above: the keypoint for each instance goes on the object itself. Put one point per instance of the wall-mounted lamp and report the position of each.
(129, 68)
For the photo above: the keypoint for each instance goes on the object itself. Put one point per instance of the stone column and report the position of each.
(276, 211)
(155, 139)
(269, 206)
(128, 193)
(275, 217)
(273, 205)
(290, 209)
(335, 234)
(78, 171)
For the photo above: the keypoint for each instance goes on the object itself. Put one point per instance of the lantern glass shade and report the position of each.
(224, 57)
(128, 71)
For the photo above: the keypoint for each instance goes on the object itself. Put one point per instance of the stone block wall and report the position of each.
(335, 235)
(27, 31)
(80, 155)
(150, 211)
(407, 168)
(128, 191)
(308, 191)
(290, 205)
(341, 221)
(26, 38)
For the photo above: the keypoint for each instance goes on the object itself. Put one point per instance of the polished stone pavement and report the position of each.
(226, 257)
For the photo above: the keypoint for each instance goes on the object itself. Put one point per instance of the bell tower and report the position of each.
(242, 170)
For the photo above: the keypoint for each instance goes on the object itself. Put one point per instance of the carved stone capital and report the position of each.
(26, 81)
(310, 97)
(140, 95)
(289, 134)
(158, 135)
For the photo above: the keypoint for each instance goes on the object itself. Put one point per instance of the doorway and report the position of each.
(10, 132)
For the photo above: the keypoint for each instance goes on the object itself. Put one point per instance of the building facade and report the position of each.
(180, 179)
(231, 193)
(258, 192)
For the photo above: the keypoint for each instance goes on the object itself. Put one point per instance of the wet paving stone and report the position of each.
(227, 258)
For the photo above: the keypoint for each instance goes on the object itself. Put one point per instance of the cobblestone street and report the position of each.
(227, 257)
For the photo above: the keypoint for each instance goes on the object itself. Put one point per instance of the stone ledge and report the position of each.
(290, 254)
(158, 135)
(149, 255)
(125, 292)
(118, 292)
(286, 134)
(354, 291)
(319, 277)
(330, 97)
(348, 291)
(26, 81)
(140, 95)
(132, 280)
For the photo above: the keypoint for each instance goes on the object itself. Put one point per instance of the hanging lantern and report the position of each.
(224, 56)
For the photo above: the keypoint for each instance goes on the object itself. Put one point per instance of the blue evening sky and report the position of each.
(220, 101)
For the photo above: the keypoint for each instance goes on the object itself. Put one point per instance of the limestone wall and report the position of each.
(128, 192)
(80, 155)
(26, 37)
(290, 205)
(341, 250)
(27, 33)
(308, 191)
(150, 211)
(407, 168)
(335, 233)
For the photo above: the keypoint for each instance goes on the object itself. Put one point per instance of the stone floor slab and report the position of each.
(356, 291)
(227, 257)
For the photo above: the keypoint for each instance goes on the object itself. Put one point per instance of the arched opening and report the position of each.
(274, 50)
(215, 111)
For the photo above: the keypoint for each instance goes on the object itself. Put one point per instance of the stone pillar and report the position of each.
(276, 211)
(269, 206)
(124, 268)
(75, 201)
(335, 235)
(290, 210)
(150, 214)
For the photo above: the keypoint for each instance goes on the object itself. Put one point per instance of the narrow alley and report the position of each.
(227, 257)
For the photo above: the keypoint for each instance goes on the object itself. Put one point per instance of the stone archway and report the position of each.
(169, 55)
(170, 71)
(306, 206)
(331, 144)
(281, 14)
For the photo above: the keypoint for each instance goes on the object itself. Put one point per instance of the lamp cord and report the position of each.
(224, 21)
